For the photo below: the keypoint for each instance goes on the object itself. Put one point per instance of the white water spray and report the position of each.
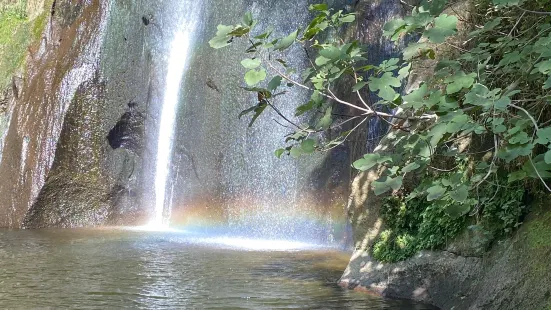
(176, 66)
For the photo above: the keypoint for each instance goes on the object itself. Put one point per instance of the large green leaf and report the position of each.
(411, 167)
(274, 83)
(414, 50)
(460, 194)
(381, 187)
(459, 81)
(385, 85)
(458, 210)
(250, 63)
(435, 192)
(308, 146)
(279, 152)
(444, 26)
(253, 77)
(332, 53)
(286, 42)
(394, 28)
(367, 162)
(326, 120)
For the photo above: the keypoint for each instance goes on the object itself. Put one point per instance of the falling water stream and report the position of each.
(177, 62)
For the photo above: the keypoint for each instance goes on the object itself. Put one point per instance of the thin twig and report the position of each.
(539, 175)
(518, 21)
(527, 114)
(496, 146)
(443, 170)
(533, 12)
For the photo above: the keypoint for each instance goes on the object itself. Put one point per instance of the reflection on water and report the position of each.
(167, 270)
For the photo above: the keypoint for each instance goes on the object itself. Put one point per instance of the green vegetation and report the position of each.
(491, 85)
(17, 32)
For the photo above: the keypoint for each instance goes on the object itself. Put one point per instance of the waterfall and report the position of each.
(177, 64)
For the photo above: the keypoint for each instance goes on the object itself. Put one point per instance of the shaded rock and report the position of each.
(437, 278)
(514, 275)
(128, 133)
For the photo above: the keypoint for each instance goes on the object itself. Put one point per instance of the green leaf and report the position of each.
(509, 59)
(275, 83)
(358, 86)
(326, 120)
(459, 81)
(239, 31)
(414, 50)
(258, 111)
(287, 41)
(435, 192)
(247, 111)
(544, 135)
(279, 153)
(322, 61)
(461, 194)
(381, 187)
(544, 66)
(411, 167)
(250, 63)
(512, 152)
(444, 26)
(308, 146)
(416, 99)
(547, 157)
(305, 108)
(394, 28)
(543, 168)
(349, 18)
(457, 210)
(332, 53)
(385, 85)
(254, 77)
(222, 37)
(248, 19)
(367, 162)
(435, 7)
(502, 103)
(296, 152)
(516, 176)
(547, 84)
(319, 7)
(520, 138)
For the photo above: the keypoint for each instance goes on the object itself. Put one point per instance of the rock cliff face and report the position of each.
(57, 63)
(59, 167)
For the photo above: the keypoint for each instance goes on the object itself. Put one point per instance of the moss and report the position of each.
(539, 233)
(39, 24)
(17, 33)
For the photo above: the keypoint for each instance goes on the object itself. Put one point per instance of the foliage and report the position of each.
(502, 214)
(495, 85)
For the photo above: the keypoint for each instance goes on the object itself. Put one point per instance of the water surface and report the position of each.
(115, 268)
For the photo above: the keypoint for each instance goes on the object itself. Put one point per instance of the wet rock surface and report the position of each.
(76, 190)
(59, 61)
(128, 133)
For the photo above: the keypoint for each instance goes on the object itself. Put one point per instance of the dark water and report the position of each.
(98, 269)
